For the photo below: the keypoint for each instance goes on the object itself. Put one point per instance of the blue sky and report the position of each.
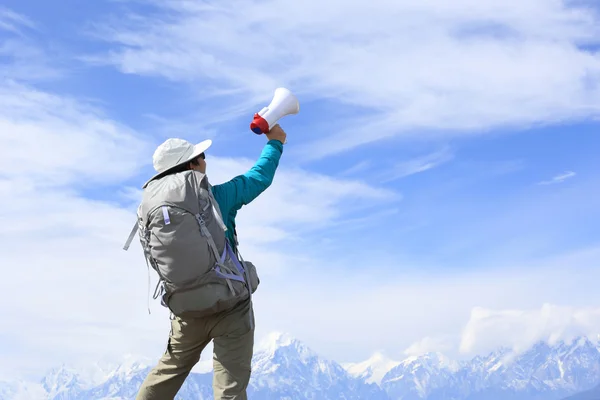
(444, 159)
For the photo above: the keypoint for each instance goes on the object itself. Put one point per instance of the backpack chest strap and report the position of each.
(219, 260)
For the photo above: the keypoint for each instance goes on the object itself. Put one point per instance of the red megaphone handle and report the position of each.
(259, 125)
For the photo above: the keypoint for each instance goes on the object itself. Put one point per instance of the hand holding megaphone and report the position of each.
(283, 103)
(277, 133)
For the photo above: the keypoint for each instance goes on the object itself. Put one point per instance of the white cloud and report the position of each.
(180, 127)
(430, 345)
(60, 249)
(89, 296)
(559, 178)
(356, 169)
(13, 22)
(516, 329)
(63, 262)
(55, 140)
(22, 57)
(418, 68)
(417, 165)
(519, 329)
(299, 200)
(359, 305)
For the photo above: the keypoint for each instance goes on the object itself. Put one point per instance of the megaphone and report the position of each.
(284, 103)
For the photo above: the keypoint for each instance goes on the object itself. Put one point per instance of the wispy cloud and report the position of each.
(180, 127)
(417, 165)
(300, 202)
(24, 58)
(559, 178)
(14, 22)
(414, 69)
(356, 168)
(53, 140)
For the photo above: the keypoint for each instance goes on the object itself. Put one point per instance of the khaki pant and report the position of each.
(233, 335)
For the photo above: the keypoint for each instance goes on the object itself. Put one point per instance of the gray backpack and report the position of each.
(183, 238)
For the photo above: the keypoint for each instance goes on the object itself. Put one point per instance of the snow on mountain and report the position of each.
(419, 377)
(373, 369)
(63, 380)
(80, 382)
(543, 372)
(285, 368)
(276, 342)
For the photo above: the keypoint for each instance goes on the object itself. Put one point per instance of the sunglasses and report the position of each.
(200, 156)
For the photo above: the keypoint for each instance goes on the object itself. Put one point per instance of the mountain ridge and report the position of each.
(285, 368)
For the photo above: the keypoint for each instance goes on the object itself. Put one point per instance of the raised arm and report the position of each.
(244, 188)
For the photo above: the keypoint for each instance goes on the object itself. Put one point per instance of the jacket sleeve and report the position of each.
(244, 188)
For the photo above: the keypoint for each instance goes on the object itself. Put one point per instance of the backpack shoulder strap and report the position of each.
(131, 236)
(215, 207)
(134, 230)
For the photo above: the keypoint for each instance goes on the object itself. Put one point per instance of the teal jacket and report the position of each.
(242, 189)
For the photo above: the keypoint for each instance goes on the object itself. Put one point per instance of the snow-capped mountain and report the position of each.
(544, 372)
(373, 369)
(285, 368)
(419, 377)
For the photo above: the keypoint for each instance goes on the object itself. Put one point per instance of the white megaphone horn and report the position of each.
(284, 103)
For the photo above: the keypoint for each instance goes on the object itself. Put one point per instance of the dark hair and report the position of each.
(185, 166)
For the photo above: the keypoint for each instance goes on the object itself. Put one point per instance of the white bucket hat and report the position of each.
(174, 152)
